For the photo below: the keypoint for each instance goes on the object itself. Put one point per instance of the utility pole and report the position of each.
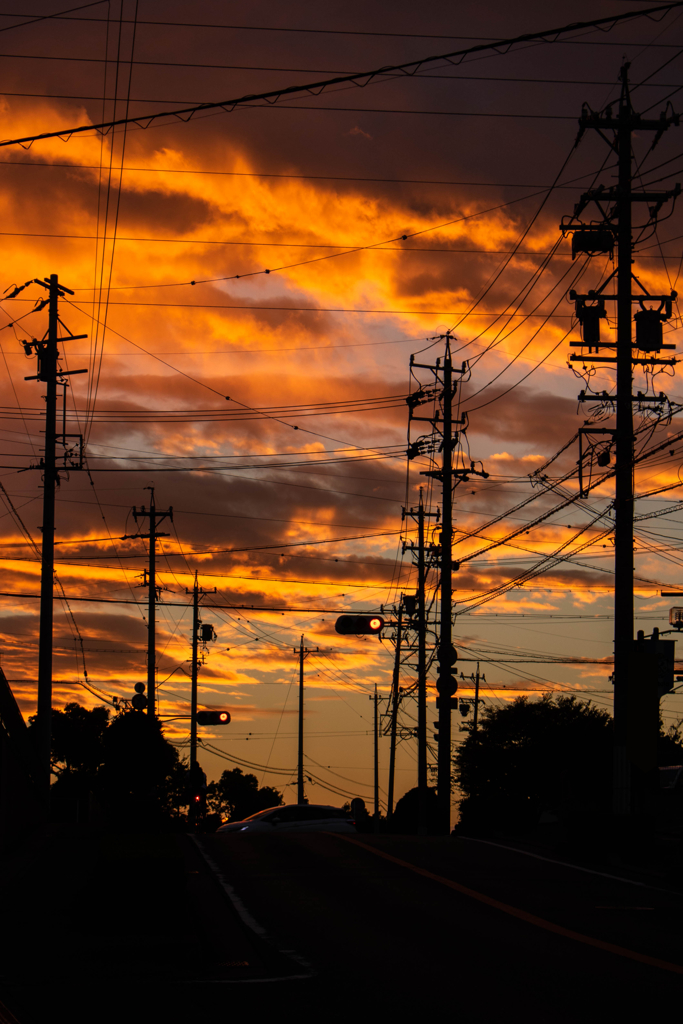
(395, 697)
(303, 651)
(196, 592)
(444, 681)
(155, 517)
(615, 206)
(475, 724)
(375, 817)
(443, 440)
(50, 374)
(421, 514)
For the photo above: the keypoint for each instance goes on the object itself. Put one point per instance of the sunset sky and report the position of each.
(384, 217)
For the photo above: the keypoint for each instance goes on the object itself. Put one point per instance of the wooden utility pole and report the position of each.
(303, 651)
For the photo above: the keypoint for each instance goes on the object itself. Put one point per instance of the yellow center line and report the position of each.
(522, 915)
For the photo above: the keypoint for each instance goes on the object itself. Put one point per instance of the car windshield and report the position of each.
(306, 812)
(260, 814)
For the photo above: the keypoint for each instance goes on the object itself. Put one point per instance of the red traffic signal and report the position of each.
(213, 718)
(359, 624)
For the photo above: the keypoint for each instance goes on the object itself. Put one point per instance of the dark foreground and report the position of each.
(100, 928)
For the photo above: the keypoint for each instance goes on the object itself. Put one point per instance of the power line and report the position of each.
(572, 184)
(360, 79)
(338, 32)
(343, 110)
(35, 18)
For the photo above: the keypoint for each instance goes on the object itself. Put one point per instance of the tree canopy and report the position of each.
(235, 796)
(134, 774)
(535, 756)
(532, 756)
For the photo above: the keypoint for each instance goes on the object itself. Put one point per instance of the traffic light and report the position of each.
(139, 701)
(359, 625)
(451, 656)
(197, 792)
(446, 684)
(213, 718)
(436, 731)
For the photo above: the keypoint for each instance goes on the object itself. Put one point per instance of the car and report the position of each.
(294, 818)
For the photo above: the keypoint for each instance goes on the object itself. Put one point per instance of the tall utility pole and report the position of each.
(197, 592)
(50, 374)
(395, 697)
(444, 440)
(615, 206)
(375, 817)
(444, 684)
(197, 777)
(420, 514)
(475, 724)
(155, 517)
(303, 651)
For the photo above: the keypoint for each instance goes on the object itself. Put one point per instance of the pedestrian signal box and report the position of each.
(359, 625)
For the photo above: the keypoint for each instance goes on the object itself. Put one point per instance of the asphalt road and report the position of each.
(531, 940)
(104, 927)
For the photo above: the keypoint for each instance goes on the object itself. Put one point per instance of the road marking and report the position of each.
(564, 864)
(522, 915)
(252, 924)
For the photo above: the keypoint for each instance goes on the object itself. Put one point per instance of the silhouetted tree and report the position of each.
(670, 744)
(125, 763)
(140, 771)
(76, 739)
(235, 796)
(531, 756)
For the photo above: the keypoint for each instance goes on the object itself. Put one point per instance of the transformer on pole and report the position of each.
(615, 226)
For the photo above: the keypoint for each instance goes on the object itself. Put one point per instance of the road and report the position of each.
(105, 927)
(383, 934)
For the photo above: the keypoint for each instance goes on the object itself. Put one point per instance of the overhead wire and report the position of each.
(360, 80)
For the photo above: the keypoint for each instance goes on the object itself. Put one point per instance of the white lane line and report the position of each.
(574, 867)
(253, 925)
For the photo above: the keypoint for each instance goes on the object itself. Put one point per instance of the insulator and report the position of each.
(649, 334)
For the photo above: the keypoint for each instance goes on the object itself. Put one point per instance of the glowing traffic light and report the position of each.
(368, 625)
(213, 718)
